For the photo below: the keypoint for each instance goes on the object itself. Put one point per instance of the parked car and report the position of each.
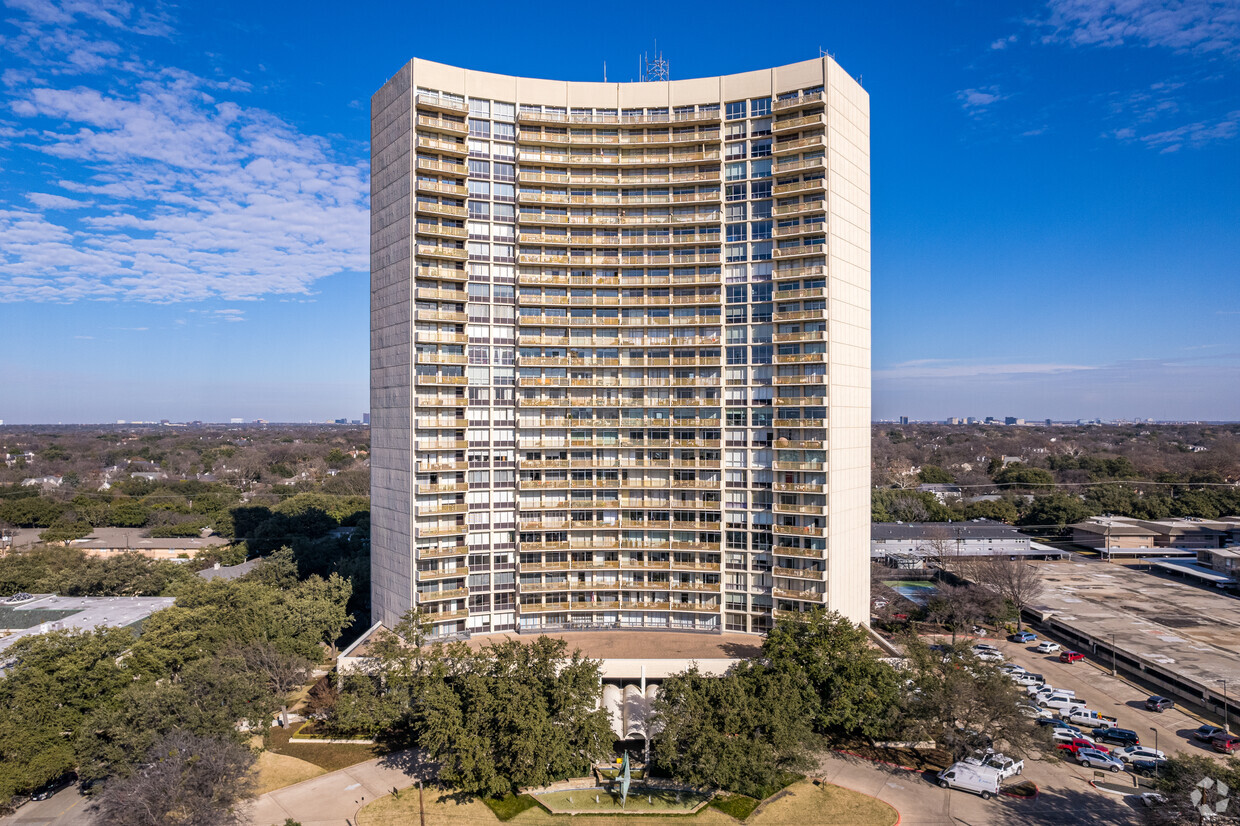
(1067, 736)
(989, 656)
(983, 646)
(1134, 753)
(1059, 725)
(1006, 766)
(1027, 679)
(1226, 743)
(1117, 736)
(1088, 717)
(1012, 668)
(1207, 733)
(1023, 636)
(1071, 656)
(1097, 759)
(1047, 647)
(1078, 743)
(1034, 712)
(1157, 703)
(1146, 768)
(48, 789)
(981, 780)
(1058, 701)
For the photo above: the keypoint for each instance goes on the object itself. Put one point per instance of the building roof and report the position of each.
(47, 612)
(980, 529)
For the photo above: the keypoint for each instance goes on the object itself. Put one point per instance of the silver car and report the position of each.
(1097, 760)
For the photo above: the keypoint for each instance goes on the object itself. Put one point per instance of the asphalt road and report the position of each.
(65, 808)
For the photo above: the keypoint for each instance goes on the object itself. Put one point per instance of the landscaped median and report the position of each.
(802, 802)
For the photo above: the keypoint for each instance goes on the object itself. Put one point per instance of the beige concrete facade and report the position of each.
(620, 361)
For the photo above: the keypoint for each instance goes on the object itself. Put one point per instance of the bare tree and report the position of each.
(1017, 581)
(283, 672)
(960, 607)
(187, 780)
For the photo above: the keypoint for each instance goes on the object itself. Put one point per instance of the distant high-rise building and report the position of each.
(904, 420)
(365, 418)
(620, 371)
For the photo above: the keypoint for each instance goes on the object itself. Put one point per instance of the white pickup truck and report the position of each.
(1005, 766)
(1082, 716)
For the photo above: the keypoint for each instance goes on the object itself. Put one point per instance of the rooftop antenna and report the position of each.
(656, 69)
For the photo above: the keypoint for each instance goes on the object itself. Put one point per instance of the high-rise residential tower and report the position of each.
(620, 349)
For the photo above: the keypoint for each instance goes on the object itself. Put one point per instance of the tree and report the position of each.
(738, 732)
(963, 704)
(1184, 774)
(185, 780)
(960, 607)
(1054, 511)
(933, 474)
(1022, 476)
(1015, 580)
(853, 693)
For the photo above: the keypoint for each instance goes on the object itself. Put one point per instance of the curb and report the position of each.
(872, 760)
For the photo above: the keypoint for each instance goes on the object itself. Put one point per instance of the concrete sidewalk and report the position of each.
(333, 799)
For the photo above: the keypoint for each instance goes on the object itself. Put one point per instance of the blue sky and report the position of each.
(183, 193)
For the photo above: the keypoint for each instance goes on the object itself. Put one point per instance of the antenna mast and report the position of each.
(655, 69)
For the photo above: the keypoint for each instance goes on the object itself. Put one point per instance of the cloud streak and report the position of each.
(180, 192)
(1204, 26)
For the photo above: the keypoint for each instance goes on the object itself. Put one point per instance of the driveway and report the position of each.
(1065, 796)
(333, 799)
(65, 808)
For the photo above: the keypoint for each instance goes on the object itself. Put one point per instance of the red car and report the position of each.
(1226, 743)
(1078, 744)
(1071, 656)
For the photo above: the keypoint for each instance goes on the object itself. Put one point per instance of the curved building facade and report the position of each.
(620, 350)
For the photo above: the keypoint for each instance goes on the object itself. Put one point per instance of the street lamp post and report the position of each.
(1226, 728)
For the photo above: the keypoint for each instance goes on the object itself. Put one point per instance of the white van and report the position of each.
(1058, 701)
(982, 780)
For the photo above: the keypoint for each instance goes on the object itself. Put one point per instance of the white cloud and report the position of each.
(1183, 25)
(195, 194)
(975, 101)
(45, 200)
(944, 368)
(1195, 135)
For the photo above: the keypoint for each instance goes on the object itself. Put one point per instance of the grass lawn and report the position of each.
(275, 771)
(804, 803)
(737, 805)
(825, 805)
(331, 756)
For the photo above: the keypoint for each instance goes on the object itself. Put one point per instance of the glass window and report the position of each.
(736, 232)
(479, 128)
(479, 189)
(504, 111)
(759, 107)
(504, 132)
(737, 293)
(481, 108)
(735, 109)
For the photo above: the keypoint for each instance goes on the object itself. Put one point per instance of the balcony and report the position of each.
(803, 208)
(436, 379)
(817, 379)
(441, 553)
(818, 466)
(806, 228)
(798, 487)
(440, 230)
(793, 271)
(440, 315)
(801, 358)
(807, 335)
(446, 146)
(443, 273)
(711, 116)
(798, 530)
(812, 143)
(800, 553)
(445, 210)
(443, 167)
(443, 487)
(811, 510)
(445, 616)
(806, 122)
(439, 104)
(442, 422)
(817, 185)
(809, 292)
(442, 510)
(443, 573)
(442, 294)
(802, 251)
(803, 596)
(435, 251)
(453, 127)
(440, 465)
(451, 530)
(441, 187)
(787, 104)
(427, 337)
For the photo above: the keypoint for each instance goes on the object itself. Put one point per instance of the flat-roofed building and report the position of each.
(620, 361)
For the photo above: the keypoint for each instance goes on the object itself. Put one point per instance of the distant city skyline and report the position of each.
(183, 209)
